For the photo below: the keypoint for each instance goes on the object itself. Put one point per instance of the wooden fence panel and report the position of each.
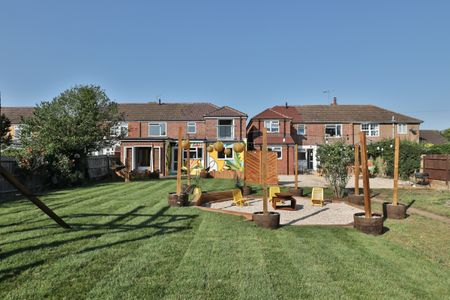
(253, 167)
(438, 166)
(98, 166)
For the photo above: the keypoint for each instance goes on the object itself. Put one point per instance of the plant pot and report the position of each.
(355, 199)
(181, 200)
(246, 190)
(296, 192)
(269, 221)
(392, 211)
(372, 225)
(204, 174)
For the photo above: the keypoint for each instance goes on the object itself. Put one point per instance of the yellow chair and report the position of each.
(272, 191)
(317, 196)
(238, 199)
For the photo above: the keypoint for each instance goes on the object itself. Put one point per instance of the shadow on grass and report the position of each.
(160, 223)
(307, 216)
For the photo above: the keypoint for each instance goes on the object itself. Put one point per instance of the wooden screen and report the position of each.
(253, 167)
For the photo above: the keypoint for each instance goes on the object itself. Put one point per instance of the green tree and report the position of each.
(5, 137)
(62, 132)
(334, 161)
(446, 133)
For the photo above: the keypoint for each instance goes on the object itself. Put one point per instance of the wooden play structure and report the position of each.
(395, 210)
(266, 219)
(30, 196)
(296, 191)
(367, 221)
(253, 167)
(179, 198)
(356, 198)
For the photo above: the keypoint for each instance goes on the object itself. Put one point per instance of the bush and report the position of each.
(410, 153)
(334, 162)
(439, 149)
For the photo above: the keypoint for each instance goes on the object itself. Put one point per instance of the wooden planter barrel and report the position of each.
(270, 221)
(181, 200)
(355, 199)
(392, 211)
(296, 191)
(373, 225)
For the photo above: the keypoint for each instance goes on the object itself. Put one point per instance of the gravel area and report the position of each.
(305, 214)
(308, 180)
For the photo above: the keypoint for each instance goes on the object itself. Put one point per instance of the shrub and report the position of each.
(410, 153)
(334, 162)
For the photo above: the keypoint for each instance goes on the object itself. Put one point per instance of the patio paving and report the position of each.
(305, 214)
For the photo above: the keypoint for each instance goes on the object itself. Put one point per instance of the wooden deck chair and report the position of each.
(317, 196)
(272, 191)
(238, 199)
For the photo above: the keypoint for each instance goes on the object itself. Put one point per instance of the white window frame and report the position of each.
(372, 130)
(232, 129)
(190, 124)
(17, 131)
(159, 123)
(269, 125)
(117, 130)
(335, 128)
(402, 125)
(298, 129)
(280, 149)
(226, 157)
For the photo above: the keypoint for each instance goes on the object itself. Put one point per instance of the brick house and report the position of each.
(15, 114)
(313, 125)
(152, 133)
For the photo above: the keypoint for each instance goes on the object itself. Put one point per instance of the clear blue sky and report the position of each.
(246, 54)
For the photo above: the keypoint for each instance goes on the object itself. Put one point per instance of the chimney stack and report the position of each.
(334, 101)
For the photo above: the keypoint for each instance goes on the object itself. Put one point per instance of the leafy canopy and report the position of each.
(5, 137)
(334, 161)
(63, 131)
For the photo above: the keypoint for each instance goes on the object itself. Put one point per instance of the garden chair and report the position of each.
(273, 190)
(317, 196)
(238, 199)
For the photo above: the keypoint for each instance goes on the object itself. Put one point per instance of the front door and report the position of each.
(310, 158)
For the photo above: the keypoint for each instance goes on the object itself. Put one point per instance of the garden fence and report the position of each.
(98, 168)
(437, 166)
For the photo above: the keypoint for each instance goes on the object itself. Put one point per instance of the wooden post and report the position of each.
(264, 171)
(243, 175)
(180, 160)
(296, 165)
(396, 159)
(365, 173)
(188, 162)
(356, 173)
(28, 194)
(447, 169)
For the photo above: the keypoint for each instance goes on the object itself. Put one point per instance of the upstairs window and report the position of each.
(120, 129)
(191, 127)
(371, 129)
(333, 130)
(17, 130)
(301, 129)
(157, 129)
(272, 125)
(402, 128)
(225, 129)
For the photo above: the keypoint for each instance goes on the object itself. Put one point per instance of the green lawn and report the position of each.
(434, 201)
(127, 243)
